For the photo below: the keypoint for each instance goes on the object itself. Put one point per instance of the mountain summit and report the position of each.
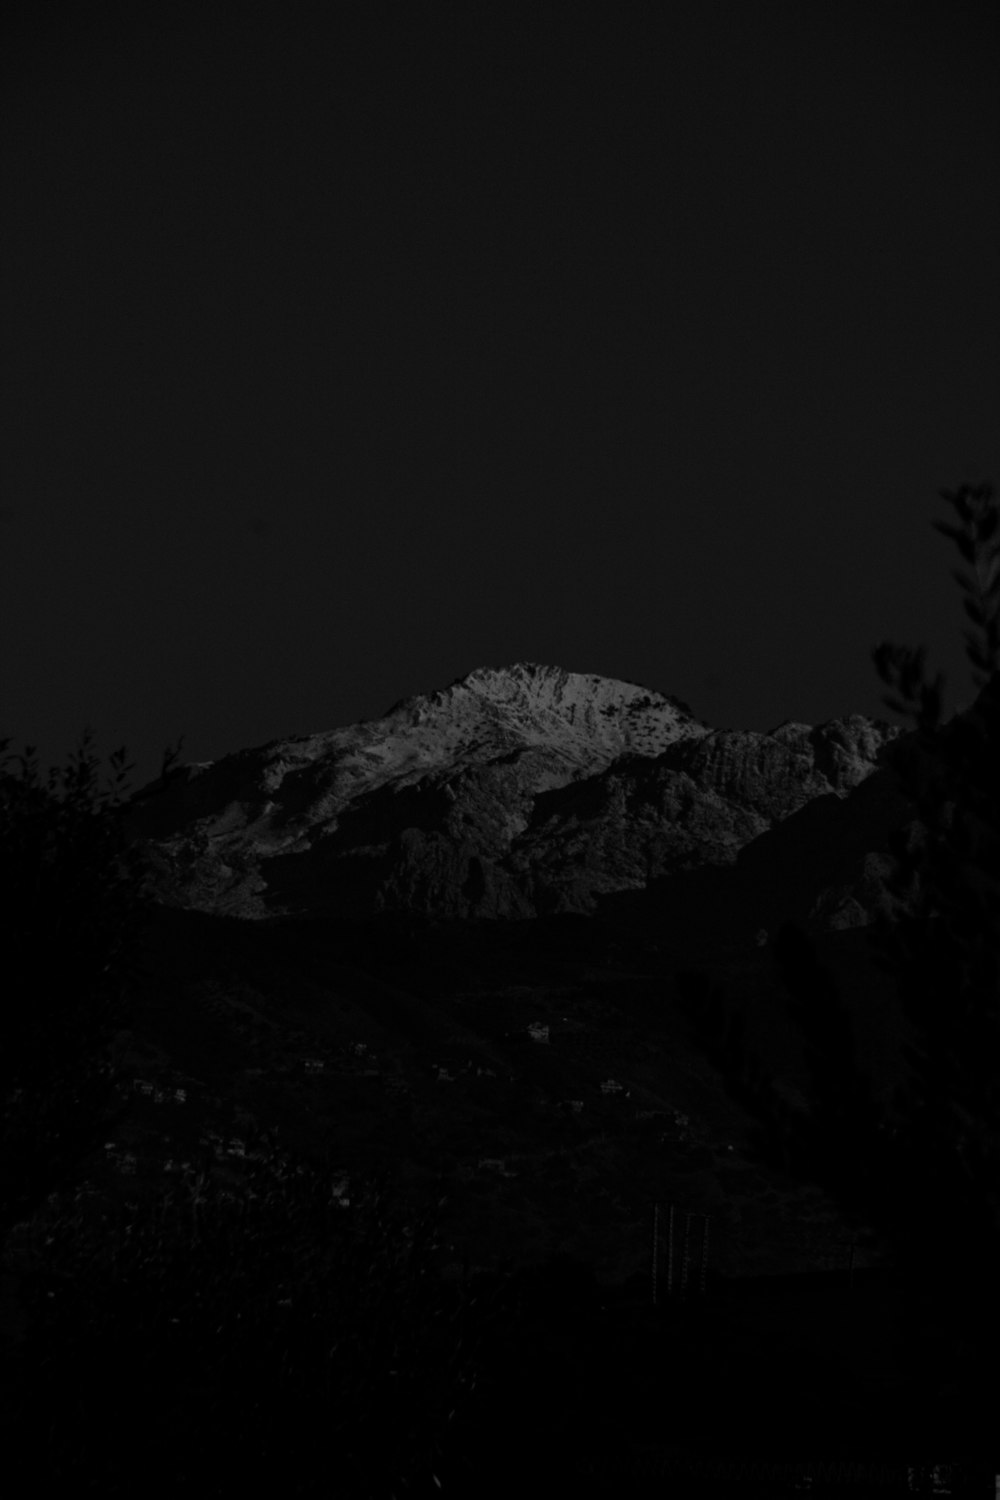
(515, 791)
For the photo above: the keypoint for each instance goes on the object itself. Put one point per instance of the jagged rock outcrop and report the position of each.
(514, 792)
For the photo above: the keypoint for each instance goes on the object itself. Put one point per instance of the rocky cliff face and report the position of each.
(514, 792)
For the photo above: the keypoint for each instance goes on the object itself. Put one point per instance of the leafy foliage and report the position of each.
(925, 1171)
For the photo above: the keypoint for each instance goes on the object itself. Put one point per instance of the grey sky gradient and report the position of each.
(342, 356)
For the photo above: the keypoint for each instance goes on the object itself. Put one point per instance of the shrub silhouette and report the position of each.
(926, 1170)
(276, 1337)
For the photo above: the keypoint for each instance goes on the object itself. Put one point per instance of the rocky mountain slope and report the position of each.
(518, 792)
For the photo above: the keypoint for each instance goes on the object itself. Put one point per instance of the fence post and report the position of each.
(670, 1250)
(686, 1261)
(851, 1244)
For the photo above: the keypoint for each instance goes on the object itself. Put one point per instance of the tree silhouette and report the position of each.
(73, 903)
(923, 1170)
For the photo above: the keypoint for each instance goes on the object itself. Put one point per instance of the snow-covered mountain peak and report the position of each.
(591, 718)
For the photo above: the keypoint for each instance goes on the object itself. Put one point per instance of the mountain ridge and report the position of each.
(513, 792)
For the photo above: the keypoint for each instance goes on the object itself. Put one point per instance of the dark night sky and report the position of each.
(345, 349)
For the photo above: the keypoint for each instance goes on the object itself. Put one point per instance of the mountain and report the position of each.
(519, 792)
(447, 943)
